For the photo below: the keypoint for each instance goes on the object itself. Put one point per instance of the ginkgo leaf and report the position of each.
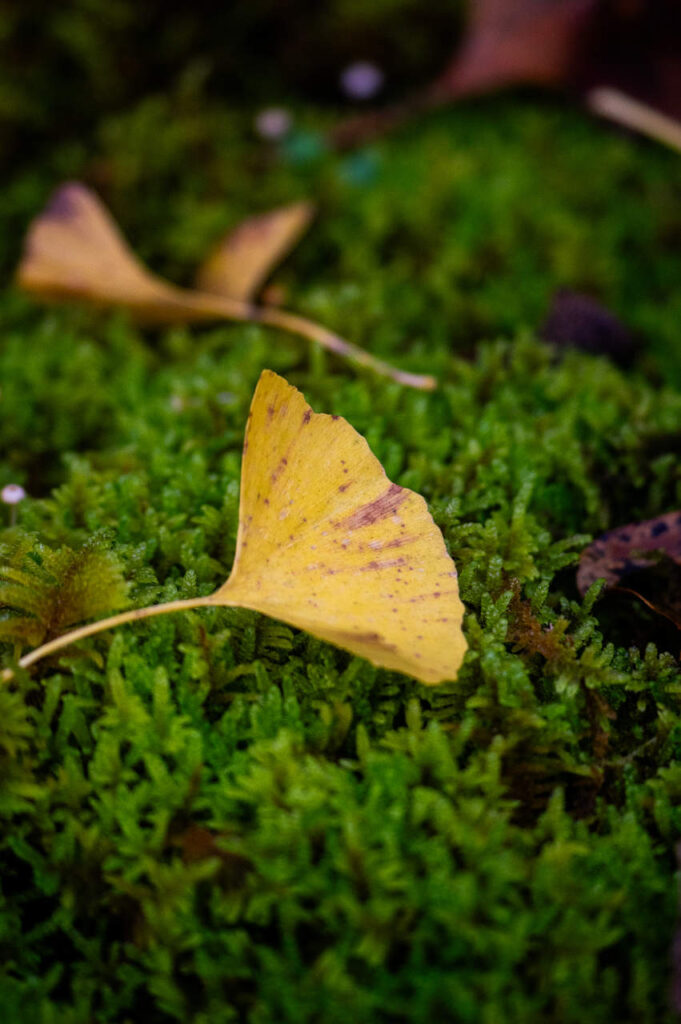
(328, 544)
(74, 250)
(243, 260)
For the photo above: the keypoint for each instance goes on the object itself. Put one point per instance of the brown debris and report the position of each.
(620, 552)
(578, 321)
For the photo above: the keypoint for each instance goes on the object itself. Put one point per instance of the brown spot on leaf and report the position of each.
(376, 510)
(435, 593)
(388, 564)
(365, 638)
(281, 466)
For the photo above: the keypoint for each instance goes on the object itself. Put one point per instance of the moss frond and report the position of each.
(44, 591)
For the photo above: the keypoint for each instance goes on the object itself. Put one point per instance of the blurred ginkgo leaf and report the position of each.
(74, 251)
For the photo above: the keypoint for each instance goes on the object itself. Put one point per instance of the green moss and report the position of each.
(214, 817)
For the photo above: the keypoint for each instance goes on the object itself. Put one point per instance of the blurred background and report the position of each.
(186, 117)
(64, 66)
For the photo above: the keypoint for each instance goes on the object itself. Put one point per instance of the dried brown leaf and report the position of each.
(620, 552)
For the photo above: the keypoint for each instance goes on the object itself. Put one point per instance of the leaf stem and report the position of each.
(97, 627)
(234, 309)
(334, 343)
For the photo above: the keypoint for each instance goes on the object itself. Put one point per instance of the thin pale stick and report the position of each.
(631, 113)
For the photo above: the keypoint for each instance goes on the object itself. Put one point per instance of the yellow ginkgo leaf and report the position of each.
(328, 544)
(243, 260)
(74, 250)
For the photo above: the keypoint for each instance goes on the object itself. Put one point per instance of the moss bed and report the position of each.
(212, 817)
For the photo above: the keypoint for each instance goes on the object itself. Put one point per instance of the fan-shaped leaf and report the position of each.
(327, 543)
(75, 251)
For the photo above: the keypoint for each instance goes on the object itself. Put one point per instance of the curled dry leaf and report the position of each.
(74, 250)
(328, 544)
(640, 559)
(507, 41)
(241, 263)
(628, 549)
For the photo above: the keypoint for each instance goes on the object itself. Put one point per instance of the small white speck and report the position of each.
(12, 494)
(273, 123)
(177, 403)
(362, 80)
